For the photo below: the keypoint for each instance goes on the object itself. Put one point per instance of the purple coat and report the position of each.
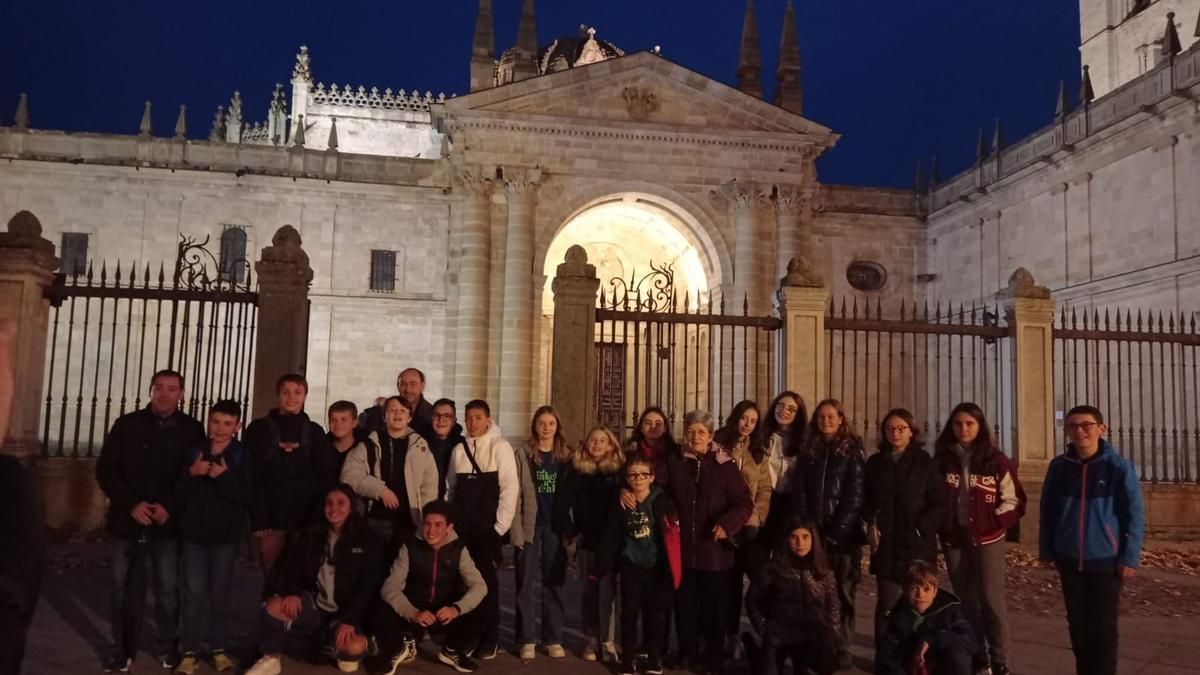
(707, 492)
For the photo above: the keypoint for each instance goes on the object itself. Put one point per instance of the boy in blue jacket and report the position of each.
(1091, 530)
(927, 632)
(214, 493)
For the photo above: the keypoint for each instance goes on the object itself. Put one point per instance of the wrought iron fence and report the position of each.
(657, 347)
(110, 331)
(1140, 368)
(926, 360)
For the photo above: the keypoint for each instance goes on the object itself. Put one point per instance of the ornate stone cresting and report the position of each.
(371, 98)
(302, 70)
(800, 274)
(1022, 285)
(641, 103)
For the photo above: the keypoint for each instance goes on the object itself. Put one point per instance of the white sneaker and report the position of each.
(608, 653)
(407, 654)
(267, 665)
(555, 651)
(347, 666)
(591, 651)
(528, 652)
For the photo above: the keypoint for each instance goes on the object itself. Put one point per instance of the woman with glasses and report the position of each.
(904, 504)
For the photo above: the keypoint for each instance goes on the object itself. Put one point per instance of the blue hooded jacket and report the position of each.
(1091, 511)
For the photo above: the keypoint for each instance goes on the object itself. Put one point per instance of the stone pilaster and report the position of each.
(281, 341)
(474, 282)
(793, 226)
(749, 291)
(573, 362)
(1030, 313)
(517, 341)
(802, 302)
(27, 267)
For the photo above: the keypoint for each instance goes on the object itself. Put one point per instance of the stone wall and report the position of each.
(1119, 48)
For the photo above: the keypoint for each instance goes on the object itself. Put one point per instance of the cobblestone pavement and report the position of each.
(71, 630)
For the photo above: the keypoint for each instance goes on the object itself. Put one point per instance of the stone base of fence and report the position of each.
(73, 500)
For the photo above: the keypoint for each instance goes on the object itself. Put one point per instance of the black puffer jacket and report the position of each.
(789, 601)
(827, 487)
(139, 462)
(906, 500)
(358, 568)
(288, 485)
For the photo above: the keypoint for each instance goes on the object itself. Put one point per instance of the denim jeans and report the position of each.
(597, 600)
(207, 579)
(542, 562)
(130, 560)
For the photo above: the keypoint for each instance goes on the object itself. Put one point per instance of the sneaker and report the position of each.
(483, 653)
(458, 661)
(591, 652)
(608, 653)
(117, 664)
(267, 665)
(627, 668)
(528, 652)
(407, 654)
(653, 667)
(347, 666)
(188, 664)
(555, 651)
(168, 660)
(221, 661)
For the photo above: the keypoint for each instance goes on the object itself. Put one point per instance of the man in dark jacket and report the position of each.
(1091, 529)
(140, 460)
(410, 385)
(435, 586)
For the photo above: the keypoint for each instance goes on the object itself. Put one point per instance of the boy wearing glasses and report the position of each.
(643, 545)
(1091, 530)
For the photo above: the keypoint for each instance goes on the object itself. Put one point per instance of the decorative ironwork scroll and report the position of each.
(653, 292)
(197, 268)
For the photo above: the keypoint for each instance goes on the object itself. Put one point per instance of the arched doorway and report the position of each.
(628, 236)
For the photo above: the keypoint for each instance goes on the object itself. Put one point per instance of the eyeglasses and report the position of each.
(896, 430)
(638, 475)
(783, 407)
(1085, 427)
(443, 416)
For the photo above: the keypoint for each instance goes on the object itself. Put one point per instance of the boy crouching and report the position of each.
(434, 585)
(927, 633)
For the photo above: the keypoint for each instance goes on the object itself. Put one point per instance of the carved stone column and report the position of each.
(802, 301)
(793, 220)
(474, 282)
(27, 267)
(1029, 312)
(281, 343)
(517, 341)
(573, 363)
(749, 370)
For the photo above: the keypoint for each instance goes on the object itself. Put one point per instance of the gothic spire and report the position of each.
(146, 129)
(997, 138)
(181, 123)
(1197, 33)
(483, 50)
(1086, 93)
(749, 71)
(790, 94)
(333, 139)
(981, 150)
(21, 118)
(935, 174)
(1170, 44)
(1063, 107)
(526, 49)
(920, 186)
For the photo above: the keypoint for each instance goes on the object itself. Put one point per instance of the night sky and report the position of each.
(898, 79)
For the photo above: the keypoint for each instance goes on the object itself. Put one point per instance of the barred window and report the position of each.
(383, 270)
(233, 254)
(74, 253)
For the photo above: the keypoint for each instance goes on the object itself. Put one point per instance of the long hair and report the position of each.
(915, 443)
(669, 444)
(729, 434)
(843, 434)
(560, 451)
(981, 455)
(584, 463)
(771, 425)
(816, 557)
(355, 527)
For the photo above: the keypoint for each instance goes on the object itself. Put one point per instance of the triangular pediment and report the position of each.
(643, 89)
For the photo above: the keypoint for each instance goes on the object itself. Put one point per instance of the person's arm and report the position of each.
(957, 635)
(737, 496)
(933, 513)
(1048, 514)
(393, 588)
(8, 337)
(473, 580)
(1010, 493)
(425, 468)
(109, 475)
(260, 518)
(526, 503)
(451, 472)
(849, 508)
(799, 499)
(756, 601)
(762, 494)
(368, 584)
(1130, 517)
(506, 473)
(235, 484)
(324, 458)
(357, 474)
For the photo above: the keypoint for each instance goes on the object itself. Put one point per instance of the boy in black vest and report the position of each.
(433, 586)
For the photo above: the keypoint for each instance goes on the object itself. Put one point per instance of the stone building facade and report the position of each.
(433, 223)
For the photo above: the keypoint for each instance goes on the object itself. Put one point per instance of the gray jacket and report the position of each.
(525, 519)
(420, 474)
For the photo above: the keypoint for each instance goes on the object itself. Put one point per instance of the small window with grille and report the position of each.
(74, 253)
(233, 254)
(383, 271)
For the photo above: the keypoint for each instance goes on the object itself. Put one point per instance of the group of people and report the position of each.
(391, 525)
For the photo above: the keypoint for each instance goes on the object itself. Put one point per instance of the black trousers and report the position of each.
(390, 629)
(818, 653)
(645, 595)
(847, 568)
(701, 615)
(1092, 600)
(484, 547)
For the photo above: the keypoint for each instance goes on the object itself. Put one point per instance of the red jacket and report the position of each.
(997, 502)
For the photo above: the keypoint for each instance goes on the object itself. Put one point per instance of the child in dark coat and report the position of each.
(927, 633)
(795, 607)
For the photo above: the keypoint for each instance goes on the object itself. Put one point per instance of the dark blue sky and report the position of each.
(898, 79)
